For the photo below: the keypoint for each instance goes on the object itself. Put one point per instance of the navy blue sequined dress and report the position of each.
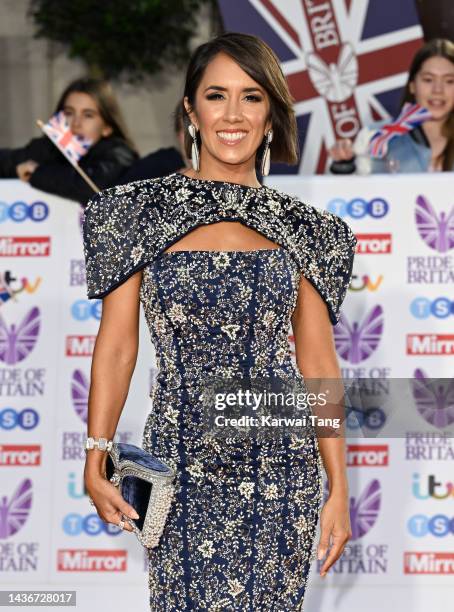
(240, 532)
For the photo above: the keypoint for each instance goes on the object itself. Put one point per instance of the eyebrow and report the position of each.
(91, 110)
(445, 74)
(246, 89)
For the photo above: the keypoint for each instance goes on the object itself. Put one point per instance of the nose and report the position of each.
(75, 123)
(233, 111)
(438, 85)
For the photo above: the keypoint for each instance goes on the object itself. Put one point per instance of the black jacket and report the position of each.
(104, 163)
(159, 163)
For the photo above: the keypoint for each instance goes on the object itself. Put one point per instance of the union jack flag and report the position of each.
(345, 62)
(410, 116)
(71, 145)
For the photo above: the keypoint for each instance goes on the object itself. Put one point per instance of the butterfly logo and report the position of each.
(14, 513)
(356, 342)
(335, 82)
(79, 394)
(364, 510)
(17, 342)
(434, 399)
(437, 231)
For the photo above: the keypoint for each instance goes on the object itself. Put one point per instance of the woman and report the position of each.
(221, 266)
(92, 112)
(429, 147)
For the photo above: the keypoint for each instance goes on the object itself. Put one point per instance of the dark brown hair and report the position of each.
(258, 60)
(438, 47)
(104, 97)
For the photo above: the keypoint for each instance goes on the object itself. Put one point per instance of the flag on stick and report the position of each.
(71, 145)
(410, 116)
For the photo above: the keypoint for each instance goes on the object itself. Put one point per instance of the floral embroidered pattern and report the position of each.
(240, 533)
(126, 227)
(240, 529)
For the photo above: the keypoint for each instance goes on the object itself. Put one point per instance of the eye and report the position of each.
(254, 98)
(214, 96)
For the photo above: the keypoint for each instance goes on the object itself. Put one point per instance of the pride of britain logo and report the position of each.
(436, 229)
(355, 341)
(343, 61)
(17, 341)
(14, 510)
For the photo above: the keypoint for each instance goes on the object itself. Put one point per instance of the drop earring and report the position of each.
(265, 166)
(195, 157)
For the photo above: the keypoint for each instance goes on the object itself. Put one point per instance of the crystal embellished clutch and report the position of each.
(146, 483)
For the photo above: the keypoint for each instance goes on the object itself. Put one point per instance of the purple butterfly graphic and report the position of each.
(434, 399)
(17, 343)
(436, 231)
(14, 513)
(357, 342)
(79, 394)
(364, 510)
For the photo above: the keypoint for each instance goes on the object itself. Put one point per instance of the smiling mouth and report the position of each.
(437, 102)
(231, 138)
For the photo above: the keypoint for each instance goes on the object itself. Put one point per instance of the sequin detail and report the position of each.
(240, 533)
(241, 530)
(126, 227)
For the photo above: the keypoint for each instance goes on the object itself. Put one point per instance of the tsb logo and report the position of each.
(82, 310)
(20, 211)
(359, 208)
(423, 308)
(91, 524)
(10, 418)
(438, 525)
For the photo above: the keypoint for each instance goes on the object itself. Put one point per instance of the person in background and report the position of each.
(163, 161)
(430, 146)
(92, 112)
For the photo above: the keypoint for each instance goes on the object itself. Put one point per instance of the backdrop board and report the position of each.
(401, 487)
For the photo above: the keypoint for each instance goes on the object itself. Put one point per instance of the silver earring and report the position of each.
(195, 157)
(265, 167)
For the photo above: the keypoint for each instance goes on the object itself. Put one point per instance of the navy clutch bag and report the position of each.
(146, 483)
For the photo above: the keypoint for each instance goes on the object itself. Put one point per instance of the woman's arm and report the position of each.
(316, 359)
(114, 359)
(104, 163)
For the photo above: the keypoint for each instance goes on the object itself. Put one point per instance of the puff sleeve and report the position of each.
(114, 245)
(325, 251)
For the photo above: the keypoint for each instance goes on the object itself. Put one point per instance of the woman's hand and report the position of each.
(26, 169)
(108, 501)
(335, 526)
(342, 150)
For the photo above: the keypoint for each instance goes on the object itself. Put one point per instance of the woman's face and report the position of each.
(433, 87)
(231, 111)
(84, 118)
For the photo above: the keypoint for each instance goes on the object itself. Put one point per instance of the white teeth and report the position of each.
(232, 135)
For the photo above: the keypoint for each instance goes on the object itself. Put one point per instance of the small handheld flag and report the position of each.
(410, 116)
(71, 145)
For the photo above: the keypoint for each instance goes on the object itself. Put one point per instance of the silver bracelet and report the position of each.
(102, 444)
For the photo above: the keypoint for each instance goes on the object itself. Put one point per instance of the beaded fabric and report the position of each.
(241, 530)
(126, 227)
